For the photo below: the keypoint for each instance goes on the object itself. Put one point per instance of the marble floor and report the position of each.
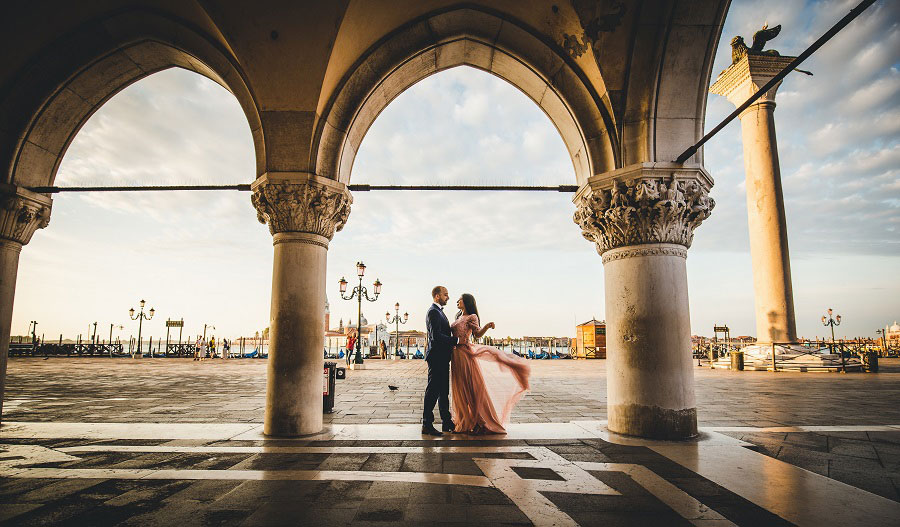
(834, 460)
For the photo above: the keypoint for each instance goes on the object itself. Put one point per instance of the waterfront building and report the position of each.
(409, 339)
(590, 340)
(892, 334)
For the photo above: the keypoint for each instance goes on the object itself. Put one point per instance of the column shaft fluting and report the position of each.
(769, 253)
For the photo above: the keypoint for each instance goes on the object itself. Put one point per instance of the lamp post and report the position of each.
(360, 292)
(32, 328)
(396, 321)
(827, 320)
(111, 326)
(141, 317)
(883, 341)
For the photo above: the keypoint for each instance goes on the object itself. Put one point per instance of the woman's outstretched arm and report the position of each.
(480, 332)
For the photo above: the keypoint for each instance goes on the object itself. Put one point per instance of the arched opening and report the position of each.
(577, 106)
(75, 76)
(171, 127)
(466, 126)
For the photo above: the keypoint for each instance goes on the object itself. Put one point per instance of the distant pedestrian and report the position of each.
(198, 349)
(351, 342)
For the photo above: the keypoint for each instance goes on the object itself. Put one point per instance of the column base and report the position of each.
(653, 422)
(355, 366)
(288, 428)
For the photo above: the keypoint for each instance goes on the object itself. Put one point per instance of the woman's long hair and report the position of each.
(469, 303)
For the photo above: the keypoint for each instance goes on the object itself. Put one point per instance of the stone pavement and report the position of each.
(80, 446)
(180, 390)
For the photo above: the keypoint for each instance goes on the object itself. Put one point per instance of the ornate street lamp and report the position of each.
(396, 321)
(141, 317)
(359, 292)
(827, 320)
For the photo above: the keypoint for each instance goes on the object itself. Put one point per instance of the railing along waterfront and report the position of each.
(83, 349)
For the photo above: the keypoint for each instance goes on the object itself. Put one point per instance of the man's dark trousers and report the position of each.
(437, 390)
(437, 356)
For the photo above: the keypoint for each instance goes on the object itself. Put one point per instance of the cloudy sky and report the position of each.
(204, 257)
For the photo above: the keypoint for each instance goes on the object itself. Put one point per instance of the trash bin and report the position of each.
(328, 387)
(737, 360)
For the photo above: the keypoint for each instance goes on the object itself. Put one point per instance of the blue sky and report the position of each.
(204, 257)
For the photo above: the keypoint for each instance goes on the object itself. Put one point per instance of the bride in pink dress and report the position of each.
(485, 382)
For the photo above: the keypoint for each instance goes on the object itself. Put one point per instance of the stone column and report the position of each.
(21, 213)
(765, 204)
(303, 212)
(642, 219)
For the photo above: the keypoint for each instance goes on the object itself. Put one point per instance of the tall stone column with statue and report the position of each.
(752, 68)
(303, 212)
(641, 219)
(22, 212)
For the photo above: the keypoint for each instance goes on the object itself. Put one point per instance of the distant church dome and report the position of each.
(895, 328)
(363, 321)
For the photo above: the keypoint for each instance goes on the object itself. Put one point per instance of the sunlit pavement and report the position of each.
(171, 441)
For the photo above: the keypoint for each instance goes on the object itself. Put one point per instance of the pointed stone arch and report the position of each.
(63, 86)
(479, 39)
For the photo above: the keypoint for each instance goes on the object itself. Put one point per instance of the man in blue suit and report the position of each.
(437, 356)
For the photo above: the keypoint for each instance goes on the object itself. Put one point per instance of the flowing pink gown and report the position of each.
(485, 382)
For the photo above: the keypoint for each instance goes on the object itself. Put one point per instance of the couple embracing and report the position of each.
(486, 382)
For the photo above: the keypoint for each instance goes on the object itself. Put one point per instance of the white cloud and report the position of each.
(838, 131)
(473, 110)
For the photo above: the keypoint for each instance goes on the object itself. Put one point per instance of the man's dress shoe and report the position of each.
(430, 430)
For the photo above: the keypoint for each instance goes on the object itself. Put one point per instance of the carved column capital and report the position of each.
(301, 202)
(22, 212)
(647, 203)
(742, 79)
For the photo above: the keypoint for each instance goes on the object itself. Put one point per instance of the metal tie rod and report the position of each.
(480, 188)
(835, 29)
(141, 188)
(354, 188)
